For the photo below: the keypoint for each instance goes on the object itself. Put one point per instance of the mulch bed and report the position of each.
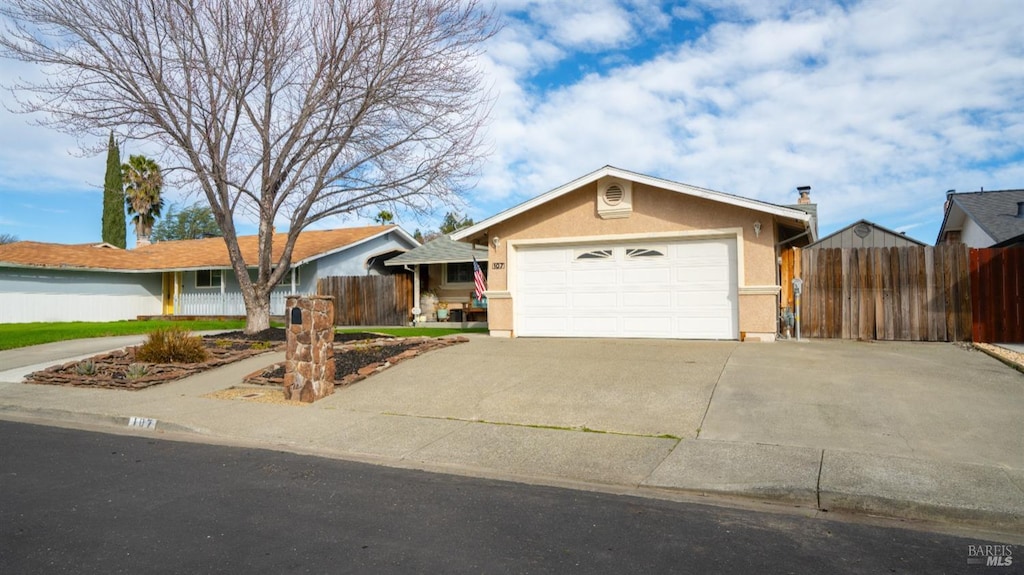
(354, 352)
(356, 361)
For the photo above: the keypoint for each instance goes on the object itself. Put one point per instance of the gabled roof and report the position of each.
(183, 254)
(612, 171)
(870, 223)
(442, 250)
(994, 212)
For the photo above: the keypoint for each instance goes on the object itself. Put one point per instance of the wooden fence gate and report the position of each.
(907, 293)
(369, 300)
(996, 294)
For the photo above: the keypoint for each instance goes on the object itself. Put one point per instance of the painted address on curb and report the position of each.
(142, 422)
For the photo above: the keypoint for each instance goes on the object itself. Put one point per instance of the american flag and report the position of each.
(479, 283)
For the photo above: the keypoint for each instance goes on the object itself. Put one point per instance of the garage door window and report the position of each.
(645, 253)
(593, 254)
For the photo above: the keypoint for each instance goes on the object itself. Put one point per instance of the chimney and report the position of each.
(805, 194)
(1020, 210)
(949, 195)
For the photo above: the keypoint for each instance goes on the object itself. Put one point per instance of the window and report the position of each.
(461, 273)
(594, 255)
(636, 253)
(208, 278)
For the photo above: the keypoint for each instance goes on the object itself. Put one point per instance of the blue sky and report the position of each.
(879, 106)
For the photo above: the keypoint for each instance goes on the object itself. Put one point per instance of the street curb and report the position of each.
(830, 499)
(95, 419)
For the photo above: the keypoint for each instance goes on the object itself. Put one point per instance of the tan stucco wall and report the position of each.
(655, 210)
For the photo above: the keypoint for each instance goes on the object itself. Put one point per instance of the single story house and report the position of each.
(99, 282)
(983, 219)
(865, 234)
(621, 254)
(443, 267)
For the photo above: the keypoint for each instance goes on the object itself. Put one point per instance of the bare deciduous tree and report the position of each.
(287, 110)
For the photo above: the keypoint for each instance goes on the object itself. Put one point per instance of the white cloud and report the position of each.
(880, 107)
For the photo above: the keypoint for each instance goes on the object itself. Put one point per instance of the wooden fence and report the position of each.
(997, 289)
(908, 293)
(369, 300)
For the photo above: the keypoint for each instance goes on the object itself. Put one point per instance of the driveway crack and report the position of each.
(711, 397)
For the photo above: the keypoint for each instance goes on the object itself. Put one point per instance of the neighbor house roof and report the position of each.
(612, 171)
(182, 254)
(442, 250)
(995, 212)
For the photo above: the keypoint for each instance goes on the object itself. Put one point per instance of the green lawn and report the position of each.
(415, 331)
(13, 335)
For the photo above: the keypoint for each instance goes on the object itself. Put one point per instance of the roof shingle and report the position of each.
(177, 255)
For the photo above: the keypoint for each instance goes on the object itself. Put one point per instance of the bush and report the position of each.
(172, 345)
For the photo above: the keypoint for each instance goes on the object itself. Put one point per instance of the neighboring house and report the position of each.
(620, 254)
(865, 234)
(983, 219)
(99, 282)
(444, 267)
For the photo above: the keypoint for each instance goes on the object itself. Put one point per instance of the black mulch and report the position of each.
(276, 334)
(349, 361)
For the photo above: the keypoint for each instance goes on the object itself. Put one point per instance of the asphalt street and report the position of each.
(82, 502)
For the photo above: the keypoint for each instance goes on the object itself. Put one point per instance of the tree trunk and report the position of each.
(257, 312)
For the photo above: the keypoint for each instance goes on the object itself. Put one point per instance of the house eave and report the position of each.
(610, 171)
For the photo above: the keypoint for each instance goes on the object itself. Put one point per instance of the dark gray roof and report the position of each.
(995, 212)
(442, 250)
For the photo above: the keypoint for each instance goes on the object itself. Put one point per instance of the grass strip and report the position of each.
(15, 335)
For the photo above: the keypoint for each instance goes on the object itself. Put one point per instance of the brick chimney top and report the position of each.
(805, 194)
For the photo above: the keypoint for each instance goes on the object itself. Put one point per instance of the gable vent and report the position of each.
(614, 198)
(613, 194)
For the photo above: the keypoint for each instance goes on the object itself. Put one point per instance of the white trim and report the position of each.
(760, 290)
(506, 333)
(609, 171)
(498, 294)
(396, 228)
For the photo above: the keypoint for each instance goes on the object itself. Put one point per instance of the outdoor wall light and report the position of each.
(757, 228)
(495, 241)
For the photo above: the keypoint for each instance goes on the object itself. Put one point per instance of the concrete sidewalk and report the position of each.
(487, 435)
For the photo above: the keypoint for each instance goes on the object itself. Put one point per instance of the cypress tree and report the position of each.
(114, 229)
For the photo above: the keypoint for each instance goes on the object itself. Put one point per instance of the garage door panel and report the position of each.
(593, 276)
(661, 276)
(683, 289)
(556, 301)
(594, 326)
(545, 279)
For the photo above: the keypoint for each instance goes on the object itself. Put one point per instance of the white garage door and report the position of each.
(683, 289)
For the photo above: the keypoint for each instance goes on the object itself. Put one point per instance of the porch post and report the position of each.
(415, 290)
(293, 280)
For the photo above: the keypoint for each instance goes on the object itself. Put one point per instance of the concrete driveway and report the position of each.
(641, 387)
(918, 400)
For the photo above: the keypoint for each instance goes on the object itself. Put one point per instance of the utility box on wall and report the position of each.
(309, 360)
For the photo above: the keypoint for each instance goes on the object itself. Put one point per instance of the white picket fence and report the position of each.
(222, 304)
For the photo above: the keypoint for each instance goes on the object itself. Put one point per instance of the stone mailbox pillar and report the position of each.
(309, 360)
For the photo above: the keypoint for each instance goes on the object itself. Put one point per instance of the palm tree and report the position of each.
(142, 184)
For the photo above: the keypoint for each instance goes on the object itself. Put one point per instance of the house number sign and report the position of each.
(498, 265)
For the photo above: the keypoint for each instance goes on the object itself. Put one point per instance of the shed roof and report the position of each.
(880, 228)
